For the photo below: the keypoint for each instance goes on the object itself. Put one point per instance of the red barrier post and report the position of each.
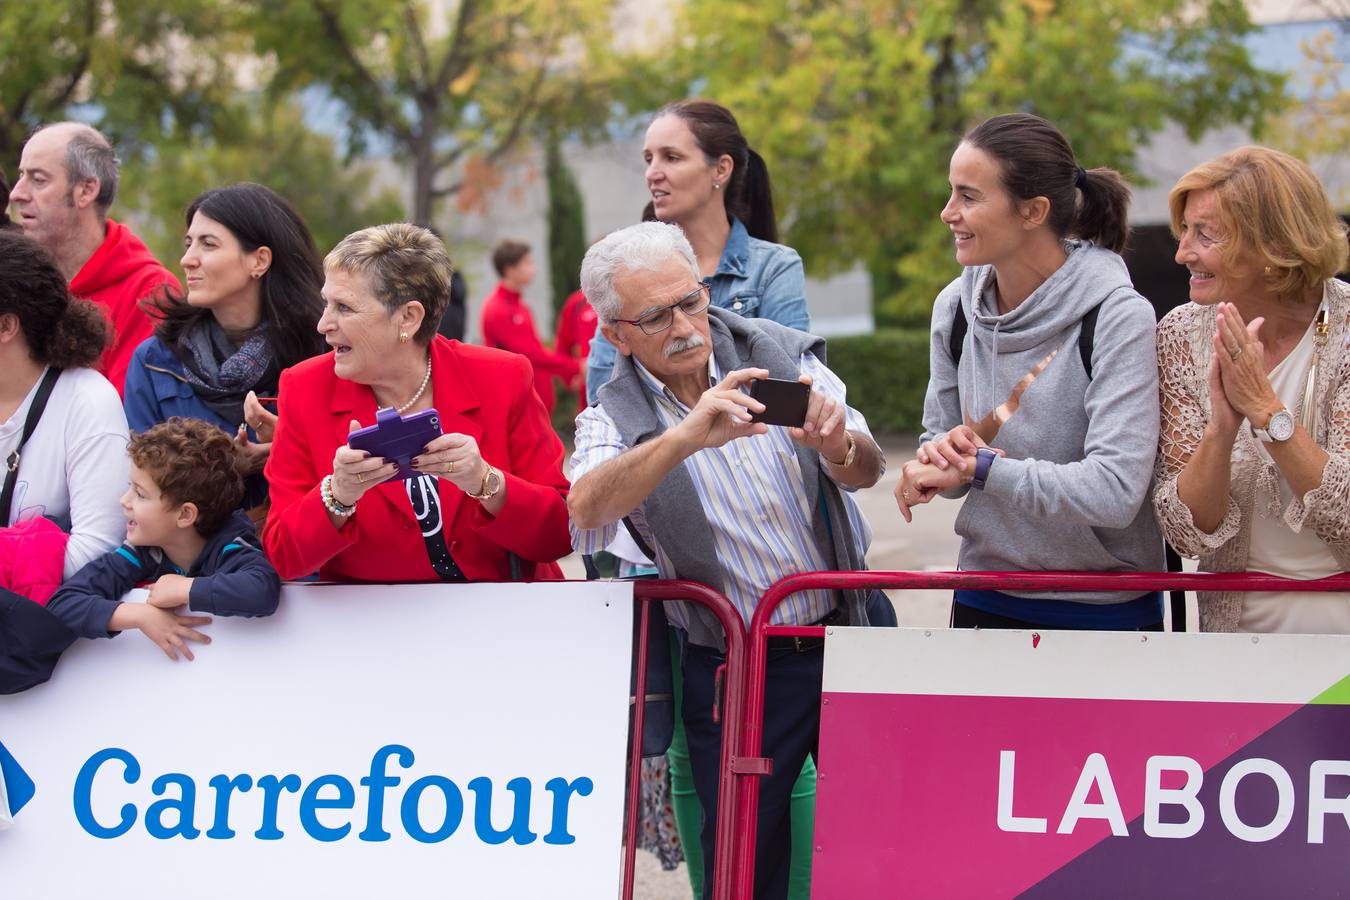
(1047, 582)
(732, 718)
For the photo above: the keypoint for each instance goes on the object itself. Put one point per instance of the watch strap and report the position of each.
(984, 461)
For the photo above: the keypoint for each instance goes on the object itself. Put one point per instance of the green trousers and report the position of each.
(689, 814)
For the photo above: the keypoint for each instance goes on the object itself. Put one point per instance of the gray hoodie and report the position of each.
(1070, 493)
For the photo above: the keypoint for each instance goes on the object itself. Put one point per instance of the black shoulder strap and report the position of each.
(957, 341)
(44, 391)
(638, 539)
(1086, 335)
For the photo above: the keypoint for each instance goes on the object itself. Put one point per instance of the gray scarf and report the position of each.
(222, 374)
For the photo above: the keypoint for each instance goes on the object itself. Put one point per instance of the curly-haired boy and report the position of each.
(185, 537)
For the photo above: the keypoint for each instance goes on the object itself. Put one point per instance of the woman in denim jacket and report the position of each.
(704, 177)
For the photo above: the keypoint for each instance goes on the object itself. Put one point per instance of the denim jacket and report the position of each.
(156, 389)
(754, 278)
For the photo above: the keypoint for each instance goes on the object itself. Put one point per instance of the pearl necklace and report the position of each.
(426, 379)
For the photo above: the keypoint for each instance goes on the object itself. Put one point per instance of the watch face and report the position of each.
(1281, 427)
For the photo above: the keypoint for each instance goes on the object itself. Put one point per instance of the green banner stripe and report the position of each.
(1337, 695)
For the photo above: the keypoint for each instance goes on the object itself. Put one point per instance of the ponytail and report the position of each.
(753, 197)
(1103, 212)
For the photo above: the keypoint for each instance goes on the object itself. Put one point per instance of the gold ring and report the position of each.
(1236, 353)
(361, 477)
(451, 470)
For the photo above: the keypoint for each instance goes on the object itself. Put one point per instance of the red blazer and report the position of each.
(487, 394)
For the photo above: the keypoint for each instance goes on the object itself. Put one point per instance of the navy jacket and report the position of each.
(231, 577)
(157, 389)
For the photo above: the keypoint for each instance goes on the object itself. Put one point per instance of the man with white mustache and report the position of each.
(670, 452)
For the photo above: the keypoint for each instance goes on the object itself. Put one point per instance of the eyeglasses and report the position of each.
(658, 320)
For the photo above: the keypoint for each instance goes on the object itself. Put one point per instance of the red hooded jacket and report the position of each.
(508, 325)
(119, 275)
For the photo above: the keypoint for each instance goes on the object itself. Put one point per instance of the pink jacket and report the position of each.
(32, 554)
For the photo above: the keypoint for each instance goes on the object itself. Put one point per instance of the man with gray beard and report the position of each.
(670, 452)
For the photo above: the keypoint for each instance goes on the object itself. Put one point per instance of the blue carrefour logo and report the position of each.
(329, 806)
(16, 787)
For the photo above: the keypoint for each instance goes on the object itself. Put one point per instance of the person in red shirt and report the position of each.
(576, 326)
(67, 181)
(508, 324)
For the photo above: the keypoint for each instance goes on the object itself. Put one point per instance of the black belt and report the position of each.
(836, 616)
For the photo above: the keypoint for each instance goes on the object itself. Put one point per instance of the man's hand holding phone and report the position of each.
(822, 427)
(723, 413)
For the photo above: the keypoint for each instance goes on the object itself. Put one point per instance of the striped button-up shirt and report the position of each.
(753, 497)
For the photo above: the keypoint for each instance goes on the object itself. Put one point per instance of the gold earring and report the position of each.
(1269, 271)
(403, 337)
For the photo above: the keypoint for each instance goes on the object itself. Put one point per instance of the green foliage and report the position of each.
(454, 87)
(566, 225)
(886, 374)
(138, 68)
(858, 105)
(1319, 126)
(269, 144)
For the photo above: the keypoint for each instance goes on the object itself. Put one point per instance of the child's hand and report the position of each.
(167, 629)
(170, 591)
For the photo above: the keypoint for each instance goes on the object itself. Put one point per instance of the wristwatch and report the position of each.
(1279, 428)
(984, 459)
(849, 454)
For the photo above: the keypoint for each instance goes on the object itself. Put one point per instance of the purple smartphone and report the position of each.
(397, 439)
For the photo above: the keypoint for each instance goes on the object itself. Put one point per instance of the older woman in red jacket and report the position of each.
(489, 487)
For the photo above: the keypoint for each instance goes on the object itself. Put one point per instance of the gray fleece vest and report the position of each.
(673, 511)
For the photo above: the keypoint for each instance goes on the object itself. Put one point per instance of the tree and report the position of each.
(133, 67)
(1318, 126)
(452, 88)
(858, 104)
(271, 144)
(566, 225)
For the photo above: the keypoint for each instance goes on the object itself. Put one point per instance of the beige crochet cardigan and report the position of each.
(1185, 345)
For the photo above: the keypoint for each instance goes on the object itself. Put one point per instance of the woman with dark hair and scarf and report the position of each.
(253, 278)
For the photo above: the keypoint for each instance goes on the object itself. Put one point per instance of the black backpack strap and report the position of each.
(1086, 334)
(638, 539)
(957, 341)
(30, 423)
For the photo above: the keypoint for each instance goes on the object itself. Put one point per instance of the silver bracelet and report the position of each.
(330, 502)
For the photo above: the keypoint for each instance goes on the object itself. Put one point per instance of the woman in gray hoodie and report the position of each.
(1043, 389)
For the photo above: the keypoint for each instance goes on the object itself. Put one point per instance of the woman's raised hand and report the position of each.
(1242, 366)
(955, 448)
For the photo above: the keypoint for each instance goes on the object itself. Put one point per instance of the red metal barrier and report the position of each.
(750, 765)
(647, 592)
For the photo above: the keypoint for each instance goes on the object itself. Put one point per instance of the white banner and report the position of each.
(366, 741)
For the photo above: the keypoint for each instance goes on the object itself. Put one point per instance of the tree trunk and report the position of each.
(424, 177)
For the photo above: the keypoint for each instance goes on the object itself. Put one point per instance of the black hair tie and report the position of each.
(1080, 179)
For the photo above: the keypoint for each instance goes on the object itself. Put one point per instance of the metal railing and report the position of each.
(646, 593)
(750, 765)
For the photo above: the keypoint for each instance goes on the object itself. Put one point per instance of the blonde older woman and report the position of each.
(1254, 462)
(489, 487)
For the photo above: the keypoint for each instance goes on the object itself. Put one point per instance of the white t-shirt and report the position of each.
(75, 465)
(1277, 550)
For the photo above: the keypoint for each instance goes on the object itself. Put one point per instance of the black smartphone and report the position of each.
(784, 402)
